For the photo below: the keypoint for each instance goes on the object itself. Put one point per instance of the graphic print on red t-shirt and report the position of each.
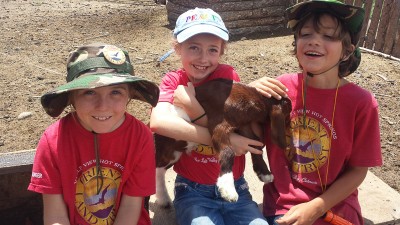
(96, 196)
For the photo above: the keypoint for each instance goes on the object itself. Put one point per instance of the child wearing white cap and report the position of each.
(200, 39)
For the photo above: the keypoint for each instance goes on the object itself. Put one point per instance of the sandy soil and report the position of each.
(36, 37)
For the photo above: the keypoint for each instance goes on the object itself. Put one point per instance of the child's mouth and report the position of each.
(313, 54)
(102, 118)
(200, 67)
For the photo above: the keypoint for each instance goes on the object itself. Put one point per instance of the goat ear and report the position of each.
(278, 126)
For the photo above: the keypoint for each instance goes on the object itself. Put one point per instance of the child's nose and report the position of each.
(314, 40)
(102, 102)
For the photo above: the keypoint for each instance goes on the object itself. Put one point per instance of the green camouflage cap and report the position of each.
(98, 65)
(351, 16)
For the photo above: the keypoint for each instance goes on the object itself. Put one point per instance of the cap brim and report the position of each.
(56, 100)
(199, 29)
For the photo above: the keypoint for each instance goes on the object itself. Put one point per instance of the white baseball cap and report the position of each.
(197, 21)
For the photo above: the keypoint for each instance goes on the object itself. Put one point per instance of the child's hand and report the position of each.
(270, 87)
(241, 145)
(301, 214)
(184, 95)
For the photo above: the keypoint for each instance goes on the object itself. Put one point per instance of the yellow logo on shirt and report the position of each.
(309, 146)
(204, 150)
(95, 197)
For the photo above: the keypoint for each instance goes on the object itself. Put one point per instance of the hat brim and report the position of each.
(55, 101)
(353, 16)
(199, 29)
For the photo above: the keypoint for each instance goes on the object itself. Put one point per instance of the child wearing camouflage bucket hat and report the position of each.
(96, 164)
(334, 136)
(200, 35)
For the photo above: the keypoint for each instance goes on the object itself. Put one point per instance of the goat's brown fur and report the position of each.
(233, 107)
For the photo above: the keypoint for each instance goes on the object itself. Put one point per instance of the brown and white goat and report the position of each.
(230, 107)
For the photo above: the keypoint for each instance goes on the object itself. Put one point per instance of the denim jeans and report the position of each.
(272, 219)
(200, 204)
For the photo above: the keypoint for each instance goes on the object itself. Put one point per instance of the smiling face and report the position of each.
(200, 55)
(102, 109)
(318, 46)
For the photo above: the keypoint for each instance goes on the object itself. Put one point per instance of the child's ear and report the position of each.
(177, 48)
(348, 52)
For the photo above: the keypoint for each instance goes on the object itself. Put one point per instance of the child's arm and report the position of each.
(129, 210)
(307, 213)
(54, 210)
(164, 122)
(270, 87)
(185, 97)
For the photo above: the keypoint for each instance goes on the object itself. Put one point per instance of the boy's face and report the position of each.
(102, 109)
(319, 51)
(200, 55)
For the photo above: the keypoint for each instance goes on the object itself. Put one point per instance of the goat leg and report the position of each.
(225, 182)
(162, 197)
(168, 151)
(261, 168)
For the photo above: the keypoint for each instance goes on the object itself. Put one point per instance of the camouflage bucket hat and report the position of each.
(351, 16)
(98, 65)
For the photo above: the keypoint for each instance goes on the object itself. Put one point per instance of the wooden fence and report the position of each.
(380, 33)
(381, 30)
(242, 17)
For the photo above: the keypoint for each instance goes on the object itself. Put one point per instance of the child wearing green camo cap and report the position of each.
(200, 36)
(95, 165)
(334, 135)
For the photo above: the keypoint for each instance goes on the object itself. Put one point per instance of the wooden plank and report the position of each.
(189, 4)
(269, 30)
(255, 22)
(273, 11)
(15, 162)
(396, 49)
(383, 24)
(240, 6)
(392, 27)
(373, 26)
(367, 7)
(349, 2)
(359, 3)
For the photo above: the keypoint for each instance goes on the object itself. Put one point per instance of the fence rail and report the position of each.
(381, 30)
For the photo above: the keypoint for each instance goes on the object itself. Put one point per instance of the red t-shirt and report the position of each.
(65, 163)
(355, 142)
(201, 165)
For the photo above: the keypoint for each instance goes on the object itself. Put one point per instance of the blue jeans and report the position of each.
(200, 204)
(272, 219)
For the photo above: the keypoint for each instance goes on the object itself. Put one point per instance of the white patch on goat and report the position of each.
(182, 114)
(177, 155)
(266, 178)
(162, 195)
(226, 187)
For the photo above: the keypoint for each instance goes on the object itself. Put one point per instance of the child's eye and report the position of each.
(328, 36)
(194, 48)
(89, 92)
(116, 92)
(305, 34)
(214, 50)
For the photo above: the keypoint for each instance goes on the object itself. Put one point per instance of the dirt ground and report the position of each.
(37, 35)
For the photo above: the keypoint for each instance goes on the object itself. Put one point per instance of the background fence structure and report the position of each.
(381, 30)
(380, 33)
(242, 17)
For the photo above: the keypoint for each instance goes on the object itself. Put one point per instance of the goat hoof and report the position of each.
(228, 195)
(226, 187)
(267, 178)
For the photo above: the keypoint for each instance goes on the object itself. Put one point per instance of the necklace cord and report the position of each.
(304, 98)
